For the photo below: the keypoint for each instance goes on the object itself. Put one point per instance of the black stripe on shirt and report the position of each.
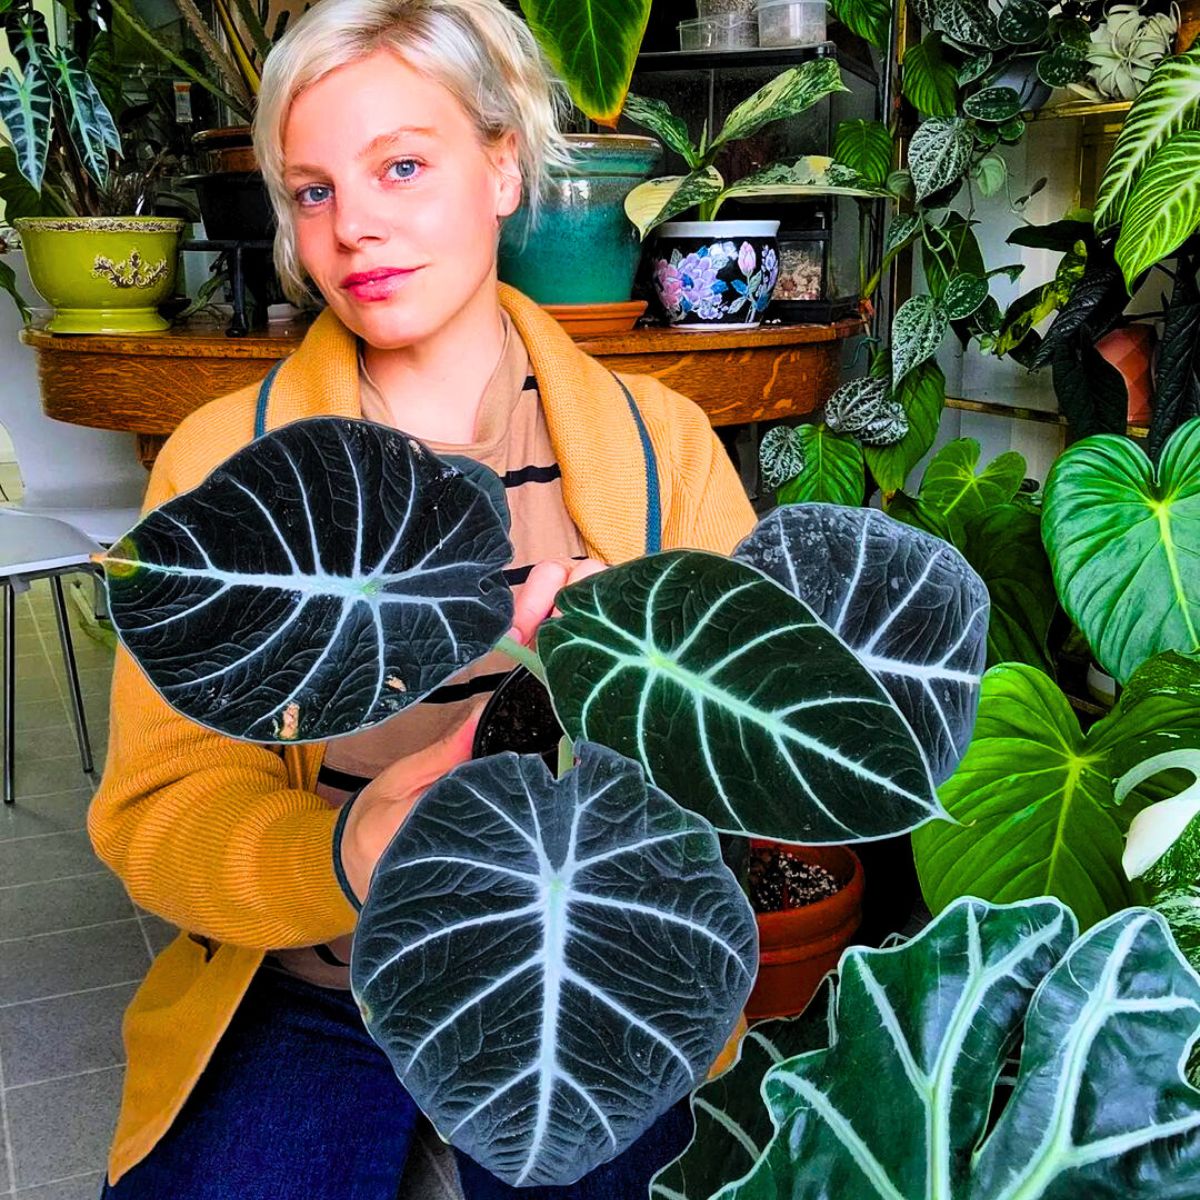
(342, 780)
(531, 474)
(517, 575)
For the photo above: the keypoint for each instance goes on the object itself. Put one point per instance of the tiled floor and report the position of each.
(72, 945)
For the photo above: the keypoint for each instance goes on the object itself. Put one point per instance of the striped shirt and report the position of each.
(511, 437)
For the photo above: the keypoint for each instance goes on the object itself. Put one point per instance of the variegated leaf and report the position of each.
(662, 122)
(939, 153)
(780, 455)
(650, 204)
(918, 328)
(25, 108)
(89, 122)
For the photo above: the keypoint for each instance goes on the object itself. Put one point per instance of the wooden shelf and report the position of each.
(1081, 109)
(1018, 413)
(755, 56)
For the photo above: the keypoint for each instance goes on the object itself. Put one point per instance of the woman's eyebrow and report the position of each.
(372, 147)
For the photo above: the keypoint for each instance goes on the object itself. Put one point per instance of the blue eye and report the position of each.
(316, 193)
(403, 168)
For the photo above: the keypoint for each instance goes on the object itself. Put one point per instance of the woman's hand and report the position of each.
(382, 806)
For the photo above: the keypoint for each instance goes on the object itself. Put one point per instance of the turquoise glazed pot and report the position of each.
(584, 249)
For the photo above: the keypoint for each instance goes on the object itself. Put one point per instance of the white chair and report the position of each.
(91, 478)
(34, 547)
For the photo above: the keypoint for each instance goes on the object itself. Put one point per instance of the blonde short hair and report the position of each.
(481, 52)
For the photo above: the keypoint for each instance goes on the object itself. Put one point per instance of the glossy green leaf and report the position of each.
(866, 409)
(676, 661)
(658, 200)
(833, 469)
(968, 22)
(990, 172)
(900, 184)
(1033, 799)
(939, 153)
(950, 248)
(1124, 541)
(994, 105)
(1071, 31)
(1022, 21)
(787, 95)
(918, 328)
(365, 572)
(1163, 208)
(963, 295)
(25, 108)
(1166, 106)
(866, 147)
(656, 116)
(923, 395)
(914, 1099)
(1062, 66)
(814, 175)
(89, 123)
(732, 1125)
(974, 68)
(902, 230)
(929, 79)
(593, 45)
(1012, 130)
(550, 964)
(870, 19)
(955, 487)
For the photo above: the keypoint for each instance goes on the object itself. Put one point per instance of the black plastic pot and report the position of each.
(519, 717)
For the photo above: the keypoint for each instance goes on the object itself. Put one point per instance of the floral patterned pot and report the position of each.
(102, 274)
(715, 274)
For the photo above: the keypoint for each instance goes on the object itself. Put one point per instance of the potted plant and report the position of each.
(711, 273)
(101, 263)
(697, 694)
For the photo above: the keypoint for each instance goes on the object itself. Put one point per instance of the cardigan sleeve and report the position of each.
(204, 830)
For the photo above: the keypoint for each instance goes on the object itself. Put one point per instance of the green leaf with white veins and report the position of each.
(918, 328)
(787, 95)
(910, 1102)
(25, 108)
(736, 699)
(939, 153)
(662, 122)
(90, 124)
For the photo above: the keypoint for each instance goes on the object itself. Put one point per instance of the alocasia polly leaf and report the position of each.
(89, 123)
(550, 965)
(1124, 542)
(364, 573)
(732, 1125)
(25, 108)
(737, 700)
(906, 603)
(833, 469)
(912, 1101)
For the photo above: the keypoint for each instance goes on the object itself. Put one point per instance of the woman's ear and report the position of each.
(505, 155)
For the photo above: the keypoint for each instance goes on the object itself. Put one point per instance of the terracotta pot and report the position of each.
(1131, 351)
(227, 149)
(797, 948)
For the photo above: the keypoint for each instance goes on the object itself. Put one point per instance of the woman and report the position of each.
(395, 137)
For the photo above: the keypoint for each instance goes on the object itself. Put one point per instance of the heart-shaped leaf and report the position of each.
(733, 1127)
(550, 965)
(593, 46)
(929, 78)
(974, 68)
(1022, 21)
(906, 603)
(1163, 208)
(953, 486)
(990, 172)
(866, 409)
(922, 393)
(995, 105)
(902, 230)
(939, 153)
(1124, 542)
(1062, 66)
(866, 147)
(914, 1099)
(736, 699)
(963, 295)
(364, 572)
(833, 469)
(968, 22)
(781, 455)
(869, 19)
(918, 328)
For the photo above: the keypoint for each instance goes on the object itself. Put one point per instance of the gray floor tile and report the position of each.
(50, 1039)
(55, 741)
(33, 816)
(62, 1127)
(42, 686)
(36, 908)
(40, 777)
(58, 964)
(5, 1172)
(159, 933)
(82, 1187)
(40, 714)
(94, 681)
(55, 856)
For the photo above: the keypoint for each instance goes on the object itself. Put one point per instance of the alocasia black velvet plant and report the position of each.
(551, 963)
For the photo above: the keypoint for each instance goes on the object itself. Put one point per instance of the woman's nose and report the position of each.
(357, 219)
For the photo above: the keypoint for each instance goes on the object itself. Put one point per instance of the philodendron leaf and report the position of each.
(906, 603)
(869, 19)
(781, 455)
(1124, 542)
(866, 147)
(1163, 208)
(593, 45)
(833, 469)
(909, 1102)
(918, 328)
(787, 95)
(658, 200)
(922, 394)
(364, 573)
(550, 965)
(662, 122)
(929, 78)
(732, 1126)
(958, 491)
(736, 699)
(939, 153)
(25, 109)
(1167, 105)
(1034, 800)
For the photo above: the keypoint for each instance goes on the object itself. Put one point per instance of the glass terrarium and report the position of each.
(810, 286)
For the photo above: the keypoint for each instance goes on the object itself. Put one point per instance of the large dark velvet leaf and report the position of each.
(550, 965)
(322, 579)
(1176, 385)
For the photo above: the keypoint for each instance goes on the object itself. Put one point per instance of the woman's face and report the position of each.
(397, 202)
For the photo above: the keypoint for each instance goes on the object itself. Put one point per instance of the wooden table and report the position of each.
(147, 384)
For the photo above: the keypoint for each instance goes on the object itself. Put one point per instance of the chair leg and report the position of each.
(68, 653)
(10, 682)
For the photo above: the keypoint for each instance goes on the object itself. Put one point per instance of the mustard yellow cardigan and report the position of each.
(228, 840)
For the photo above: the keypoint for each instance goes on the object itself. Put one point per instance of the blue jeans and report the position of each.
(298, 1103)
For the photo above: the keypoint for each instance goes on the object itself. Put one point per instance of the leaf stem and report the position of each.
(566, 755)
(524, 656)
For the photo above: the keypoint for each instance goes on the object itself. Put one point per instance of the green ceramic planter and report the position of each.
(584, 250)
(102, 274)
